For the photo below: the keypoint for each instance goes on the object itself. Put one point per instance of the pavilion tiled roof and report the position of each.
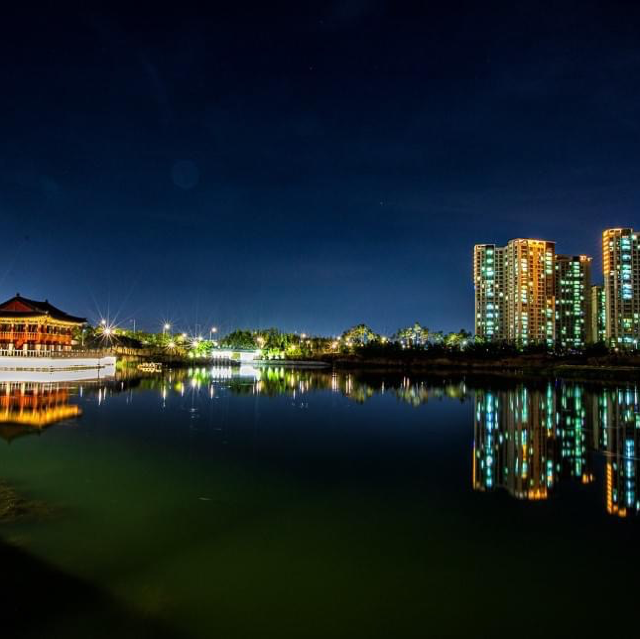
(21, 307)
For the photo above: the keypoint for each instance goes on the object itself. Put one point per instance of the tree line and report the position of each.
(361, 339)
(272, 342)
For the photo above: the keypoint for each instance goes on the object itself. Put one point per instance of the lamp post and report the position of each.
(165, 328)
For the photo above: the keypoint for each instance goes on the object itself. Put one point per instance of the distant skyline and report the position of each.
(309, 166)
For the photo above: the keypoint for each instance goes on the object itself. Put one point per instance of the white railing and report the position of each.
(55, 354)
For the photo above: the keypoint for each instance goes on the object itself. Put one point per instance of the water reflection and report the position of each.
(527, 440)
(29, 407)
(617, 436)
(276, 381)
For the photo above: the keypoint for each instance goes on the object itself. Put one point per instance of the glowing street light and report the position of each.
(107, 329)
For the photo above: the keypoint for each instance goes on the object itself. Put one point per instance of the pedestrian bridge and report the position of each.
(239, 355)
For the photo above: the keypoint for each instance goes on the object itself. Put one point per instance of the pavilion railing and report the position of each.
(29, 336)
(97, 353)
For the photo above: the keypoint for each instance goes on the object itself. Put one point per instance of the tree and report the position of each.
(201, 347)
(415, 335)
(239, 339)
(459, 339)
(359, 335)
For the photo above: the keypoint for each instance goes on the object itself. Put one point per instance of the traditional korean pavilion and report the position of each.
(28, 325)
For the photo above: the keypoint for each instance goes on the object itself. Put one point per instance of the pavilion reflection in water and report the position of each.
(29, 407)
(527, 440)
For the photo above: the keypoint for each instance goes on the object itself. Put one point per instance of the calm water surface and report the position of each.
(281, 503)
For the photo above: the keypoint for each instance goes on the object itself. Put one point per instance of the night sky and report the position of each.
(308, 166)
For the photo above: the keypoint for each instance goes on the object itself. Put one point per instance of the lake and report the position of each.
(275, 502)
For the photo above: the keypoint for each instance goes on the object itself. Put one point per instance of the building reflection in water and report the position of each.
(29, 407)
(527, 440)
(509, 452)
(618, 416)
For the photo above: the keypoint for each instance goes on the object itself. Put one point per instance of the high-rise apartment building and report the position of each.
(530, 283)
(573, 300)
(515, 291)
(598, 315)
(488, 277)
(621, 268)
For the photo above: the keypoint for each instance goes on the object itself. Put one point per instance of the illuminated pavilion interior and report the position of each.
(27, 325)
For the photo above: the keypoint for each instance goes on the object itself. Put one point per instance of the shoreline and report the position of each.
(512, 368)
(605, 368)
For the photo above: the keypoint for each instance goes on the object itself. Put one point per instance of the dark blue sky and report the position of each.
(308, 167)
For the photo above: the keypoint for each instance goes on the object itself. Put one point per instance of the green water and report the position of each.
(310, 504)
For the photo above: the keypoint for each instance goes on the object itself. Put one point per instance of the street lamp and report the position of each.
(165, 328)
